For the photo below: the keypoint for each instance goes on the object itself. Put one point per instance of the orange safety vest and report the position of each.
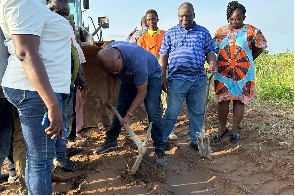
(152, 43)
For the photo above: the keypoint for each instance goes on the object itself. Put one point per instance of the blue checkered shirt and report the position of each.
(187, 50)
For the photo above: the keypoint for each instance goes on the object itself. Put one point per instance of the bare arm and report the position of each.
(211, 60)
(140, 96)
(163, 61)
(26, 50)
(256, 52)
(81, 82)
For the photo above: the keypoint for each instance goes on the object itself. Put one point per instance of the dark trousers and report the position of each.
(127, 94)
(5, 129)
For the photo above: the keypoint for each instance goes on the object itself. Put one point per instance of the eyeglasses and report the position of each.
(186, 16)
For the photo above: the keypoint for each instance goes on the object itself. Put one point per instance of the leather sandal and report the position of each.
(218, 136)
(234, 138)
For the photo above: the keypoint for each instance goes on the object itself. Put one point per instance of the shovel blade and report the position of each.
(204, 145)
(142, 150)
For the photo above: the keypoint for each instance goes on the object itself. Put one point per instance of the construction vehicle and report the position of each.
(95, 111)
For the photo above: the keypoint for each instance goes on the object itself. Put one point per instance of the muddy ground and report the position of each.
(262, 162)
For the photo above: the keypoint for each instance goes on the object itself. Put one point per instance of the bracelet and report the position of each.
(130, 114)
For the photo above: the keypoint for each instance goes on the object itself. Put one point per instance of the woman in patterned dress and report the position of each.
(237, 46)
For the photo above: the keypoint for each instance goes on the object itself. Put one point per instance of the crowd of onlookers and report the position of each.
(42, 80)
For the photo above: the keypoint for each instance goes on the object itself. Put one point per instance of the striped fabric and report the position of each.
(187, 51)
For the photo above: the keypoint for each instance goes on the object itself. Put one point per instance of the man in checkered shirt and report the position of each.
(185, 47)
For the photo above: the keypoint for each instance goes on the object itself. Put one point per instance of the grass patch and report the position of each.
(275, 77)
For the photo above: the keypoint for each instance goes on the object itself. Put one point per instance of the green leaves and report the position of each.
(274, 77)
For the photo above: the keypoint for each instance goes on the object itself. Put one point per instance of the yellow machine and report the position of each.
(95, 111)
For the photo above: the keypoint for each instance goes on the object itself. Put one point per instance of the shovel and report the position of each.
(202, 137)
(142, 146)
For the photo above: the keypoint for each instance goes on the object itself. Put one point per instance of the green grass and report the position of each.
(275, 77)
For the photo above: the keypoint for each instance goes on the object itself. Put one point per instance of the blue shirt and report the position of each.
(138, 63)
(187, 50)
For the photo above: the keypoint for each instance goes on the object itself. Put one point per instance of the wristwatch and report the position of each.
(130, 114)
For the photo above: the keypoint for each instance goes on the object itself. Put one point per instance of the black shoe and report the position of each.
(168, 146)
(68, 165)
(73, 151)
(194, 146)
(105, 147)
(4, 177)
(234, 138)
(161, 159)
(218, 136)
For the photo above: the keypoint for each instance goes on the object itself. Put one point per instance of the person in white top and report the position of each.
(38, 72)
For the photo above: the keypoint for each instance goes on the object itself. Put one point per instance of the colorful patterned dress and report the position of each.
(235, 77)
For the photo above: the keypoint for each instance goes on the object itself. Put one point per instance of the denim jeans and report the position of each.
(67, 113)
(39, 145)
(194, 93)
(127, 94)
(5, 128)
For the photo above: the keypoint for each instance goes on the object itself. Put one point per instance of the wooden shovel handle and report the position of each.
(142, 146)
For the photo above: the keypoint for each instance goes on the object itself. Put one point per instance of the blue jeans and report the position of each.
(39, 145)
(5, 128)
(67, 113)
(194, 93)
(127, 94)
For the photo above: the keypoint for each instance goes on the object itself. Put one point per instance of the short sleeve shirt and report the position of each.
(187, 50)
(138, 64)
(33, 17)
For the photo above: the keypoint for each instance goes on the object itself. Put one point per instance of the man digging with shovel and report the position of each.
(140, 75)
